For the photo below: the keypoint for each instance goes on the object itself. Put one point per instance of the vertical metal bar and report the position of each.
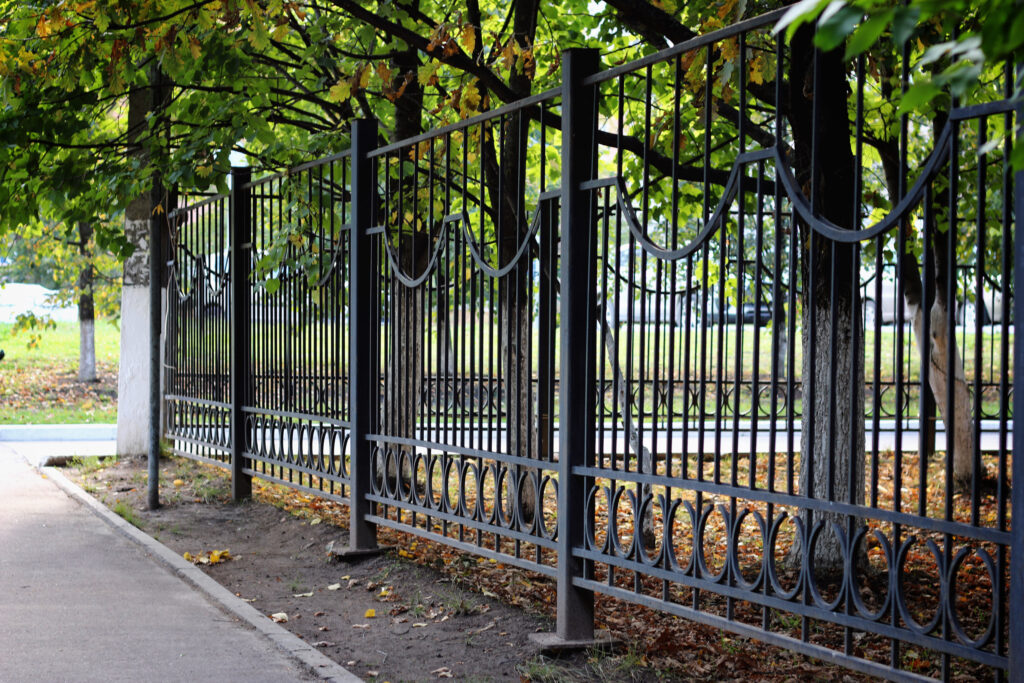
(157, 227)
(575, 618)
(363, 337)
(1016, 592)
(241, 482)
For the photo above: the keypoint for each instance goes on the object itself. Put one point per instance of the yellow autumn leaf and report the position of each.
(468, 38)
(508, 54)
(340, 91)
(179, 482)
(364, 76)
(188, 556)
(43, 27)
(469, 102)
(370, 613)
(218, 556)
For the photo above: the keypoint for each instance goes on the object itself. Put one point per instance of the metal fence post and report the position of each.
(157, 228)
(1015, 649)
(240, 312)
(363, 338)
(575, 619)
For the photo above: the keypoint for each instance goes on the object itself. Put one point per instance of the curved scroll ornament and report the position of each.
(462, 219)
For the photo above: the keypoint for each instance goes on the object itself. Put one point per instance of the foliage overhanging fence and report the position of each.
(673, 355)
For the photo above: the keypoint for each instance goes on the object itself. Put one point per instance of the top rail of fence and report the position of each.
(305, 166)
(510, 108)
(206, 201)
(687, 46)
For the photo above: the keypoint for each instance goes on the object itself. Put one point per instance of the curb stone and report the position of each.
(290, 644)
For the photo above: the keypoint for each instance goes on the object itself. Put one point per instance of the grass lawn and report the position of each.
(40, 385)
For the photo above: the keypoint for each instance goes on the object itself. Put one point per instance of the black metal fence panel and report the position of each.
(295, 406)
(721, 332)
(196, 368)
(779, 453)
(465, 303)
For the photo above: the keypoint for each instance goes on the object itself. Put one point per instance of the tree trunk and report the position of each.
(832, 436)
(404, 369)
(514, 291)
(86, 308)
(938, 380)
(937, 349)
(940, 318)
(133, 373)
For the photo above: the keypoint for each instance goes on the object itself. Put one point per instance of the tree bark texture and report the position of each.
(940, 318)
(86, 307)
(832, 436)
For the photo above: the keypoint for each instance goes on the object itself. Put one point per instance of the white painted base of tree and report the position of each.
(133, 374)
(86, 350)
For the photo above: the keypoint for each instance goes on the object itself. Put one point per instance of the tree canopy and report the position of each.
(281, 80)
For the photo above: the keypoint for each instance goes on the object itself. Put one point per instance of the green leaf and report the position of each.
(867, 34)
(799, 14)
(904, 22)
(834, 30)
(918, 96)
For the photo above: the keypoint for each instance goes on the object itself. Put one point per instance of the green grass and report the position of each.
(60, 344)
(123, 510)
(88, 464)
(38, 385)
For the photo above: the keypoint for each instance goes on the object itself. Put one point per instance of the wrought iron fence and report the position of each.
(718, 332)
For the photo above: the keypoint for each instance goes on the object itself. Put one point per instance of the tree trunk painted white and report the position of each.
(133, 374)
(86, 350)
(938, 380)
(86, 308)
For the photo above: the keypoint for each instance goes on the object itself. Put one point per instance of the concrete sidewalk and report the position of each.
(86, 597)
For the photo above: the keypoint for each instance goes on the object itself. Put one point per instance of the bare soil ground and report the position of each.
(397, 617)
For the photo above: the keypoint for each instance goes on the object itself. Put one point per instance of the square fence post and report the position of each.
(240, 320)
(575, 618)
(364, 337)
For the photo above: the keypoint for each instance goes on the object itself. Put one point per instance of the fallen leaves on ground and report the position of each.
(39, 388)
(208, 557)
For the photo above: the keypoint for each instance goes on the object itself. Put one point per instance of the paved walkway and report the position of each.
(89, 598)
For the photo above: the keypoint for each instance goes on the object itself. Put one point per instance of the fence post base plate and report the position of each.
(350, 555)
(551, 643)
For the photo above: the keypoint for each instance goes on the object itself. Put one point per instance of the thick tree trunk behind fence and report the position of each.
(832, 436)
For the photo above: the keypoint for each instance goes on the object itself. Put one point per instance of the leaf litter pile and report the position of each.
(391, 616)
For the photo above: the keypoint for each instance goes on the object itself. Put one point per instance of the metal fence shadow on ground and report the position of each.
(683, 332)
